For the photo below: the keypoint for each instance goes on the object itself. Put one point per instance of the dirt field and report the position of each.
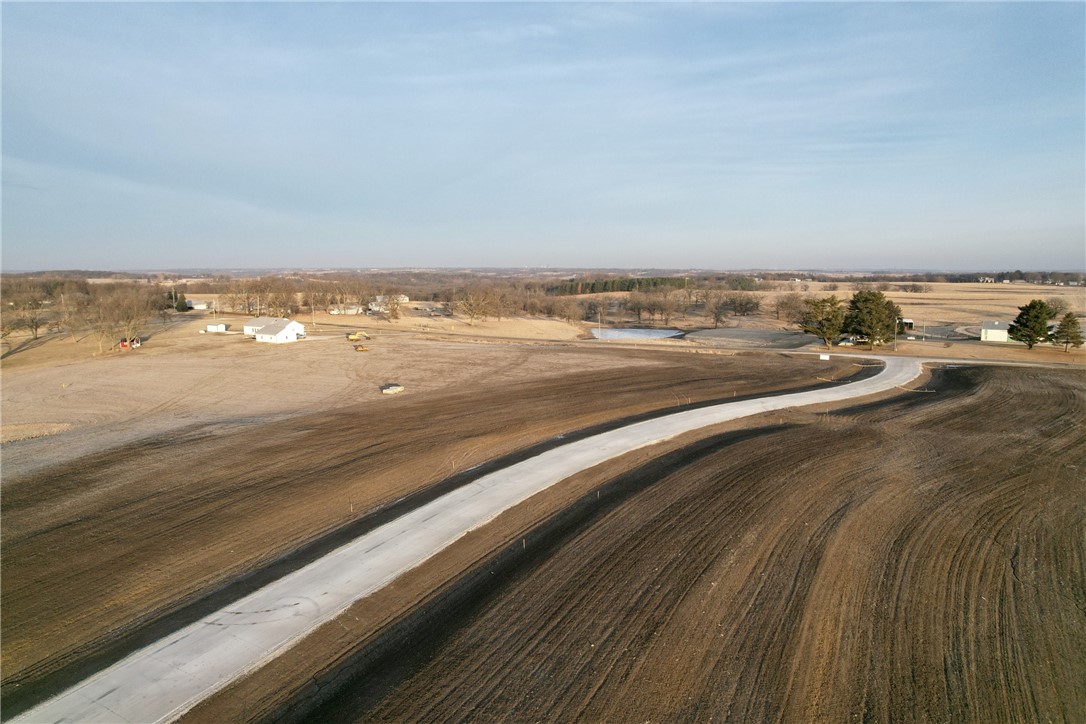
(922, 559)
(140, 486)
(103, 541)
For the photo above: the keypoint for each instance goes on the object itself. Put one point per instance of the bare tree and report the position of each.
(637, 304)
(567, 308)
(358, 294)
(101, 317)
(281, 296)
(790, 306)
(316, 295)
(342, 294)
(256, 295)
(10, 322)
(716, 306)
(165, 313)
(742, 303)
(689, 299)
(391, 302)
(668, 301)
(72, 299)
(1058, 305)
(234, 298)
(132, 306)
(29, 303)
(473, 302)
(501, 301)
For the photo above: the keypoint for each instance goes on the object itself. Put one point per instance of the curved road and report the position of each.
(165, 679)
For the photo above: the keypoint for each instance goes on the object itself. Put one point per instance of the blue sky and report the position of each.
(709, 135)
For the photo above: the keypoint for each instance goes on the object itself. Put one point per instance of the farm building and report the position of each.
(254, 325)
(994, 332)
(219, 328)
(380, 305)
(281, 330)
(198, 304)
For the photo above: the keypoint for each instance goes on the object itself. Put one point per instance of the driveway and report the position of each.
(165, 679)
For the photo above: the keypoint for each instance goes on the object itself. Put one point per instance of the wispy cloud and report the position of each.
(503, 122)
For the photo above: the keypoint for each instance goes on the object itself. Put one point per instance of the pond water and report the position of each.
(635, 333)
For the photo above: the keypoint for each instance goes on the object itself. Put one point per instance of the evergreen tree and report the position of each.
(1068, 333)
(1031, 324)
(873, 316)
(823, 318)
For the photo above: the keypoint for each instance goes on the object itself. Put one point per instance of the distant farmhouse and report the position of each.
(275, 330)
(379, 304)
(994, 332)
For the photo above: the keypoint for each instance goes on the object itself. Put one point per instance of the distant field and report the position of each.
(975, 303)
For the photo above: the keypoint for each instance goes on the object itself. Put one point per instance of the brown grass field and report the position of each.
(918, 558)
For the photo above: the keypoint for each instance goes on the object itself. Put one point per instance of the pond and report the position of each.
(635, 333)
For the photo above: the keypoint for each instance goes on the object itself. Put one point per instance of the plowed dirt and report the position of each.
(100, 551)
(921, 559)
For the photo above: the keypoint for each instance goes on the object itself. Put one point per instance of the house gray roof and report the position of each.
(275, 327)
(995, 325)
(261, 321)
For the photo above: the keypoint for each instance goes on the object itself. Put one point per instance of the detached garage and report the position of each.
(281, 331)
(994, 332)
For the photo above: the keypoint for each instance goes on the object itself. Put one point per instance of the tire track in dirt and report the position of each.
(924, 560)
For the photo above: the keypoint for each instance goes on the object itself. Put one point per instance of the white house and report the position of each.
(253, 325)
(281, 330)
(994, 332)
(380, 306)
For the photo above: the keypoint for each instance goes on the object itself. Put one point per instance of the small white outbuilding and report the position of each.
(994, 332)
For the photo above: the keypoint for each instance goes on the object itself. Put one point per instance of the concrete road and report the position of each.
(164, 680)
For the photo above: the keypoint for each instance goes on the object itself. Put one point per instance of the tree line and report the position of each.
(115, 310)
(110, 312)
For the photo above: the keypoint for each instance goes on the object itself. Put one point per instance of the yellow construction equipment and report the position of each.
(357, 336)
(361, 348)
